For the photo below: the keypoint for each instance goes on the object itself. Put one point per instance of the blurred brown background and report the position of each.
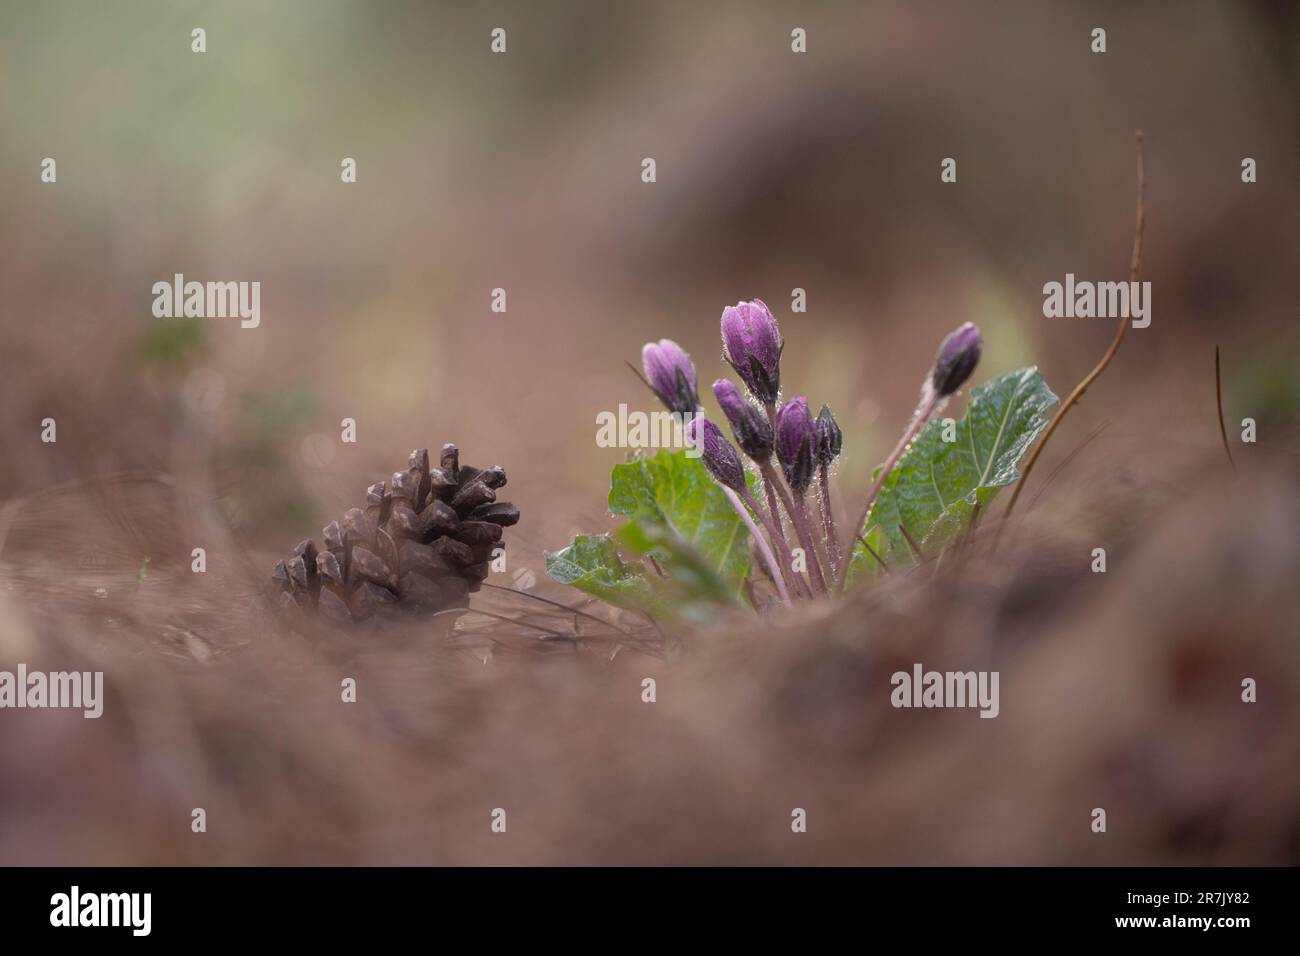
(775, 171)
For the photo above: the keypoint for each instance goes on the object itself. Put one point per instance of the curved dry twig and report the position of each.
(1218, 397)
(1135, 269)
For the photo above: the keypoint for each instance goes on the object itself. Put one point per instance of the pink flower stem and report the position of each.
(929, 400)
(799, 518)
(793, 579)
(764, 549)
(771, 507)
(828, 524)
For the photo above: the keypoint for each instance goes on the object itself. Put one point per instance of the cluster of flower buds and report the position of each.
(804, 447)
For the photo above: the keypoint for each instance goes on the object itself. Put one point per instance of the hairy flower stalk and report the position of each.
(805, 448)
(795, 442)
(957, 358)
(770, 485)
(753, 433)
(829, 442)
(751, 344)
(724, 465)
(774, 567)
(670, 373)
(775, 488)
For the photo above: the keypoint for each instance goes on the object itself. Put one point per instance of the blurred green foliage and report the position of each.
(171, 343)
(266, 496)
(1267, 389)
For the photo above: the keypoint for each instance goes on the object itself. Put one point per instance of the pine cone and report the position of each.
(421, 544)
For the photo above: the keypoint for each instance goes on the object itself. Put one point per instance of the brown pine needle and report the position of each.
(558, 604)
(551, 634)
(871, 551)
(1218, 397)
(1135, 269)
(911, 543)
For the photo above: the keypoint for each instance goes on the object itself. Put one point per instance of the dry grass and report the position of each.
(1118, 690)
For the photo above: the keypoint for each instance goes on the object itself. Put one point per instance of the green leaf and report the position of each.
(675, 493)
(592, 564)
(954, 519)
(173, 343)
(692, 582)
(935, 486)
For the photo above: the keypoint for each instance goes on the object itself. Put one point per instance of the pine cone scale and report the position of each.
(422, 543)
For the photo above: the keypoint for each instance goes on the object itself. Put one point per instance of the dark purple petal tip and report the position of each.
(829, 438)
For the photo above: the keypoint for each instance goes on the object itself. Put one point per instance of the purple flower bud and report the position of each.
(957, 358)
(719, 455)
(752, 430)
(829, 438)
(795, 441)
(671, 374)
(751, 343)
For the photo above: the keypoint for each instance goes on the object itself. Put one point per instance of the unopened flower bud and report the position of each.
(671, 374)
(795, 439)
(829, 438)
(957, 358)
(720, 456)
(749, 426)
(751, 343)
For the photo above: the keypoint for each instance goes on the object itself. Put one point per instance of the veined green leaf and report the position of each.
(692, 580)
(935, 486)
(592, 564)
(676, 493)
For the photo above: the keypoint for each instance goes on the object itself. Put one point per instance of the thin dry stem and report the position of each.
(828, 525)
(1135, 269)
(792, 579)
(800, 522)
(804, 527)
(763, 548)
(559, 604)
(777, 531)
(1218, 397)
(911, 543)
(929, 401)
(872, 551)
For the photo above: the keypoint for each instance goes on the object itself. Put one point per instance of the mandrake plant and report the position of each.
(693, 520)
(725, 525)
